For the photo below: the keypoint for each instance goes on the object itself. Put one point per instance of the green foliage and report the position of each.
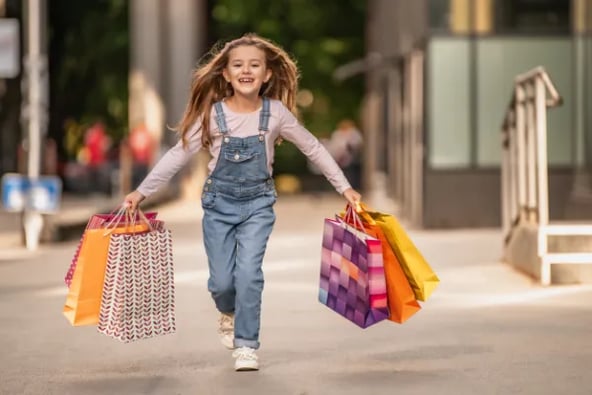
(89, 62)
(321, 36)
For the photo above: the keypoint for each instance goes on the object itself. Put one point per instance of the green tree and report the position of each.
(89, 62)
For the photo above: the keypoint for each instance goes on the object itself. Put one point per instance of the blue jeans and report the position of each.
(236, 230)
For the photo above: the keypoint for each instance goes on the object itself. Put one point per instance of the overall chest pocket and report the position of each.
(240, 156)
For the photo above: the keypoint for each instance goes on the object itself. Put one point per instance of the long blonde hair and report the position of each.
(209, 86)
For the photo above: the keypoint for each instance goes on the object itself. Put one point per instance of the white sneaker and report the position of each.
(226, 330)
(246, 359)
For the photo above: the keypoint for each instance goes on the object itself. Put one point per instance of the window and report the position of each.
(533, 16)
(500, 16)
(439, 15)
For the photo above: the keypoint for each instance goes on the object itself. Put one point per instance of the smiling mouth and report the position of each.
(245, 80)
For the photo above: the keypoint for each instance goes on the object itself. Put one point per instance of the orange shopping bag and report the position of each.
(401, 299)
(83, 301)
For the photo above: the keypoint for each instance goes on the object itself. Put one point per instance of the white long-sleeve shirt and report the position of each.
(281, 123)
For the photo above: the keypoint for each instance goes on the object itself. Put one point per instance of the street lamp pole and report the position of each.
(34, 107)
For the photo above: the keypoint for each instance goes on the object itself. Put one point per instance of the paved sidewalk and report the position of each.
(487, 329)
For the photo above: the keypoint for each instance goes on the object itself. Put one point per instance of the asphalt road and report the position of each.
(486, 330)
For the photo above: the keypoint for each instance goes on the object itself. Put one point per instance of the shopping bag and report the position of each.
(84, 295)
(97, 221)
(402, 303)
(352, 281)
(422, 278)
(138, 300)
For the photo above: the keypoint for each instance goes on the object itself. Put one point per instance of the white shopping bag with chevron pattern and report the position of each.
(138, 300)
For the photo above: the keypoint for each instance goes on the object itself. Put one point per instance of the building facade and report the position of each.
(440, 77)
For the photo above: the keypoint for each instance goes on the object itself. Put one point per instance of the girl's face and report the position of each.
(246, 70)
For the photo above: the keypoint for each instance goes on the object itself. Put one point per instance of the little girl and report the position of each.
(241, 103)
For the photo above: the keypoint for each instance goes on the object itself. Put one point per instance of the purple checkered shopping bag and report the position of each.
(97, 221)
(352, 274)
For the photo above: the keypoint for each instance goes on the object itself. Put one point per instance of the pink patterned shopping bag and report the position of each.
(352, 279)
(97, 221)
(138, 300)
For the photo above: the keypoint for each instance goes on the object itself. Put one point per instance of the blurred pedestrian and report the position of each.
(96, 143)
(96, 147)
(142, 147)
(241, 102)
(345, 145)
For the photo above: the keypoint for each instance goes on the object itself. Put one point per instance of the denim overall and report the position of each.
(238, 200)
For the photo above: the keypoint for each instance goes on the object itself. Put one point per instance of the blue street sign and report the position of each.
(20, 193)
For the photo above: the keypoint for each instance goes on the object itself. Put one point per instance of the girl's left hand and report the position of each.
(353, 197)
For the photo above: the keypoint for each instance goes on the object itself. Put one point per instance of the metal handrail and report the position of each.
(524, 147)
(540, 72)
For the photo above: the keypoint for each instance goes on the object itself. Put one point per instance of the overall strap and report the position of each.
(264, 116)
(220, 118)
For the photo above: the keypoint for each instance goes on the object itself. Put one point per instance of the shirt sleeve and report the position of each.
(172, 161)
(292, 131)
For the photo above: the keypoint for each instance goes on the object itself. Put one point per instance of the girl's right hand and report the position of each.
(133, 200)
(353, 197)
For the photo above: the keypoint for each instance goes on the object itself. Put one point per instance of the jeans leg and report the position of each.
(220, 244)
(252, 237)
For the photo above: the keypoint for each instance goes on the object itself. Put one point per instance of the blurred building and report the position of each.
(166, 39)
(440, 77)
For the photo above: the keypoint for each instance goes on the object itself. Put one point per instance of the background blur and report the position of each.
(426, 81)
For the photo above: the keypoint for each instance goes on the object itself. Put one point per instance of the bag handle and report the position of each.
(130, 216)
(361, 211)
(352, 217)
(364, 212)
(352, 223)
(116, 219)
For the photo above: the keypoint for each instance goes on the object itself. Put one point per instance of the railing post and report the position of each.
(520, 150)
(508, 172)
(541, 142)
(506, 190)
(513, 170)
(530, 163)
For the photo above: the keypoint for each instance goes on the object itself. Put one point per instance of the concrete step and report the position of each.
(569, 249)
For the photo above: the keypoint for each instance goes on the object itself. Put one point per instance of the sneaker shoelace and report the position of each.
(245, 353)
